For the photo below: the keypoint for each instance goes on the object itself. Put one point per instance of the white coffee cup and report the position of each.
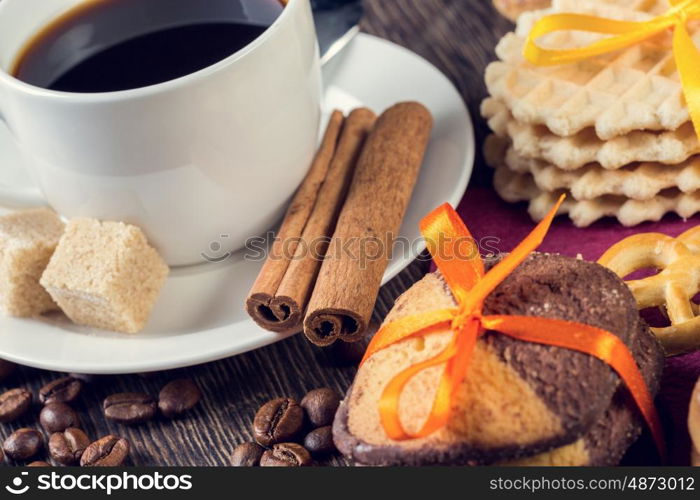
(202, 162)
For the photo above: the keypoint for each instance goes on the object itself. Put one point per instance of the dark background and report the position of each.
(458, 36)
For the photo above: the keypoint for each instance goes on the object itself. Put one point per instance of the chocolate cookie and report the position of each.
(609, 438)
(519, 398)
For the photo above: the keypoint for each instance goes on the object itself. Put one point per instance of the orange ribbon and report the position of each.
(470, 286)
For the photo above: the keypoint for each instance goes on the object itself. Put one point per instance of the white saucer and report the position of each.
(199, 316)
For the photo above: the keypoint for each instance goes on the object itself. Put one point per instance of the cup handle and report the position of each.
(16, 196)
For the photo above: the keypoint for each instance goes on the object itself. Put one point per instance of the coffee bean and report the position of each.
(13, 404)
(109, 451)
(23, 444)
(320, 406)
(277, 421)
(39, 463)
(178, 397)
(57, 417)
(62, 390)
(7, 368)
(320, 441)
(129, 408)
(286, 455)
(247, 455)
(68, 446)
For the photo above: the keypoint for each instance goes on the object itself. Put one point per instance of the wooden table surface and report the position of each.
(458, 36)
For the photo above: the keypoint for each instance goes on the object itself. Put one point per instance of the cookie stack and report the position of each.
(521, 403)
(612, 131)
(513, 8)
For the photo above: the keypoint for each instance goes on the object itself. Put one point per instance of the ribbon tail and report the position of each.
(594, 342)
(506, 266)
(457, 355)
(407, 327)
(389, 400)
(466, 343)
(687, 57)
(454, 374)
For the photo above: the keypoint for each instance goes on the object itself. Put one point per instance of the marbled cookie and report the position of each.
(519, 398)
(608, 439)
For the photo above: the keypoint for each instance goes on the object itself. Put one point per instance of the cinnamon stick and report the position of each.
(259, 304)
(300, 278)
(348, 283)
(295, 287)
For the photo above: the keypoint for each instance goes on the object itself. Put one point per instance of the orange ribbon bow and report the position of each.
(470, 286)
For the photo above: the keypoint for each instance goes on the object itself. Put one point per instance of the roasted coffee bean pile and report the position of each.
(289, 433)
(63, 441)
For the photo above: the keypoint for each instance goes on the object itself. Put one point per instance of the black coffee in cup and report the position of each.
(112, 45)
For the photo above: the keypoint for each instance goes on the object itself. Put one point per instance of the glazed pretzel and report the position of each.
(678, 281)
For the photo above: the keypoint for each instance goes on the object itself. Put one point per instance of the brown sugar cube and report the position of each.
(105, 274)
(27, 240)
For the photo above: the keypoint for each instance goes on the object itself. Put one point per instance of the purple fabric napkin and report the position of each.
(499, 226)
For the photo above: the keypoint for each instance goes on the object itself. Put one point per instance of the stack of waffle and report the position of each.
(612, 131)
(513, 8)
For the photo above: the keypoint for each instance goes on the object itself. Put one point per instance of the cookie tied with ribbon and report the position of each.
(531, 357)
